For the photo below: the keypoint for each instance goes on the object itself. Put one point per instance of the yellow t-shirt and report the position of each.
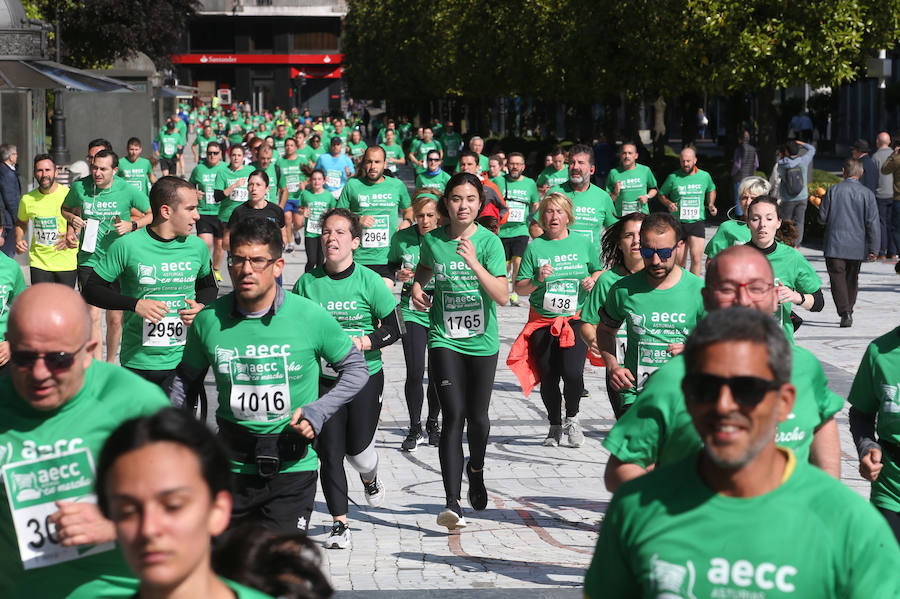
(43, 210)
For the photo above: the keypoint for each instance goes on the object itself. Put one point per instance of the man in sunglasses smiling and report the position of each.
(658, 430)
(58, 407)
(741, 516)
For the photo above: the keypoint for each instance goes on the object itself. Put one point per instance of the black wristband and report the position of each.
(134, 226)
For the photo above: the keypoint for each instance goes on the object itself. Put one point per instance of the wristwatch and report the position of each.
(133, 226)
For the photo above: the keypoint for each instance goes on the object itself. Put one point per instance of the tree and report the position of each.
(95, 33)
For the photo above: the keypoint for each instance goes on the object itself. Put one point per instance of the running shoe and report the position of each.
(433, 428)
(585, 392)
(478, 496)
(573, 430)
(452, 517)
(298, 236)
(218, 275)
(554, 436)
(374, 492)
(413, 439)
(339, 537)
(288, 249)
(513, 299)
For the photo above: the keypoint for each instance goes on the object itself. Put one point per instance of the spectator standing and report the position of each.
(10, 194)
(793, 169)
(860, 151)
(884, 196)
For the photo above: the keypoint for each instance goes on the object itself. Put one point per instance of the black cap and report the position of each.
(861, 145)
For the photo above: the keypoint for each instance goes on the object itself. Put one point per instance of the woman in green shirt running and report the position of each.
(735, 230)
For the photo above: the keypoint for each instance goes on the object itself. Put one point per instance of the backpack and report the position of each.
(793, 180)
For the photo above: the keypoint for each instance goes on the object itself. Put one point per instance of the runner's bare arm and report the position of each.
(825, 451)
(618, 472)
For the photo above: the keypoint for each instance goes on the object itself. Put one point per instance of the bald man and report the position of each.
(884, 196)
(658, 430)
(690, 193)
(59, 406)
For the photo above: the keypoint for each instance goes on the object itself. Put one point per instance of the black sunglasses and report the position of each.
(663, 253)
(55, 361)
(746, 390)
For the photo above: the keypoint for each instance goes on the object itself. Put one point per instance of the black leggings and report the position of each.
(414, 343)
(893, 520)
(464, 385)
(555, 363)
(350, 432)
(314, 254)
(65, 277)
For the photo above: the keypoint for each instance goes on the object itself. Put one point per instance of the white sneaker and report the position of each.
(339, 537)
(452, 519)
(374, 492)
(573, 429)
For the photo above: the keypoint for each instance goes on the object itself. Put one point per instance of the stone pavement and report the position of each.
(537, 536)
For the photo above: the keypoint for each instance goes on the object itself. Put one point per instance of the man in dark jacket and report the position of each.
(10, 194)
(870, 174)
(852, 234)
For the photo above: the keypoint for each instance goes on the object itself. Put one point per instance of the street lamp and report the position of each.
(58, 150)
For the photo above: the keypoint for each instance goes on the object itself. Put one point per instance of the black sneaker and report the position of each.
(478, 496)
(585, 392)
(413, 439)
(433, 429)
(452, 516)
(846, 320)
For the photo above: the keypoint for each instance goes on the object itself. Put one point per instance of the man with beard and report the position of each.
(49, 255)
(521, 196)
(376, 199)
(659, 305)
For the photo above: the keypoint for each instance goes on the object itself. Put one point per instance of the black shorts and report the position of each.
(168, 164)
(162, 378)
(69, 278)
(514, 246)
(383, 270)
(283, 503)
(210, 224)
(694, 229)
(84, 273)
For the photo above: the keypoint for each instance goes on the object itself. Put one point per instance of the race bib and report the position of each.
(451, 152)
(463, 314)
(32, 487)
(629, 207)
(688, 212)
(293, 183)
(209, 196)
(561, 297)
(259, 388)
(91, 231)
(313, 224)
(621, 344)
(239, 194)
(651, 355)
(516, 212)
(333, 179)
(46, 230)
(168, 147)
(377, 236)
(170, 331)
(136, 183)
(586, 233)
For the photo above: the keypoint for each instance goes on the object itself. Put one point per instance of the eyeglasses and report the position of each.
(663, 253)
(212, 153)
(748, 391)
(54, 361)
(755, 289)
(434, 160)
(257, 263)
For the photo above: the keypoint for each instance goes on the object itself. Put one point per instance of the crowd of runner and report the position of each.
(723, 459)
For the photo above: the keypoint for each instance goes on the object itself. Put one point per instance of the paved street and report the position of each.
(537, 535)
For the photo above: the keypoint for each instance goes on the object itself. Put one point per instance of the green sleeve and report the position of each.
(542, 178)
(495, 257)
(592, 305)
(711, 186)
(593, 257)
(609, 574)
(205, 260)
(526, 266)
(638, 435)
(112, 264)
(303, 201)
(716, 244)
(221, 182)
(438, 146)
(120, 173)
(610, 216)
(405, 201)
(73, 200)
(862, 393)
(195, 355)
(419, 183)
(533, 194)
(296, 288)
(667, 185)
(384, 301)
(651, 180)
(280, 183)
(344, 199)
(194, 178)
(139, 201)
(610, 182)
(19, 284)
(426, 257)
(807, 280)
(394, 252)
(612, 306)
(870, 555)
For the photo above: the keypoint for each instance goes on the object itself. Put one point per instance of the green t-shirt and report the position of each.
(405, 249)
(204, 178)
(12, 283)
(169, 143)
(224, 179)
(795, 272)
(103, 206)
(356, 151)
(451, 143)
(137, 173)
(437, 181)
(182, 129)
(590, 312)
(201, 142)
(688, 192)
(279, 146)
(265, 368)
(243, 592)
(520, 197)
(393, 152)
(148, 268)
(484, 163)
(667, 534)
(636, 182)
(420, 150)
(381, 200)
(307, 155)
(729, 233)
(552, 177)
(463, 317)
(572, 259)
(358, 302)
(235, 131)
(318, 204)
(654, 318)
(594, 211)
(876, 391)
(272, 172)
(658, 429)
(292, 176)
(68, 440)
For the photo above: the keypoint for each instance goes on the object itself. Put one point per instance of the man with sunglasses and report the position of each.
(658, 430)
(741, 517)
(659, 305)
(433, 177)
(165, 278)
(209, 228)
(266, 369)
(59, 405)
